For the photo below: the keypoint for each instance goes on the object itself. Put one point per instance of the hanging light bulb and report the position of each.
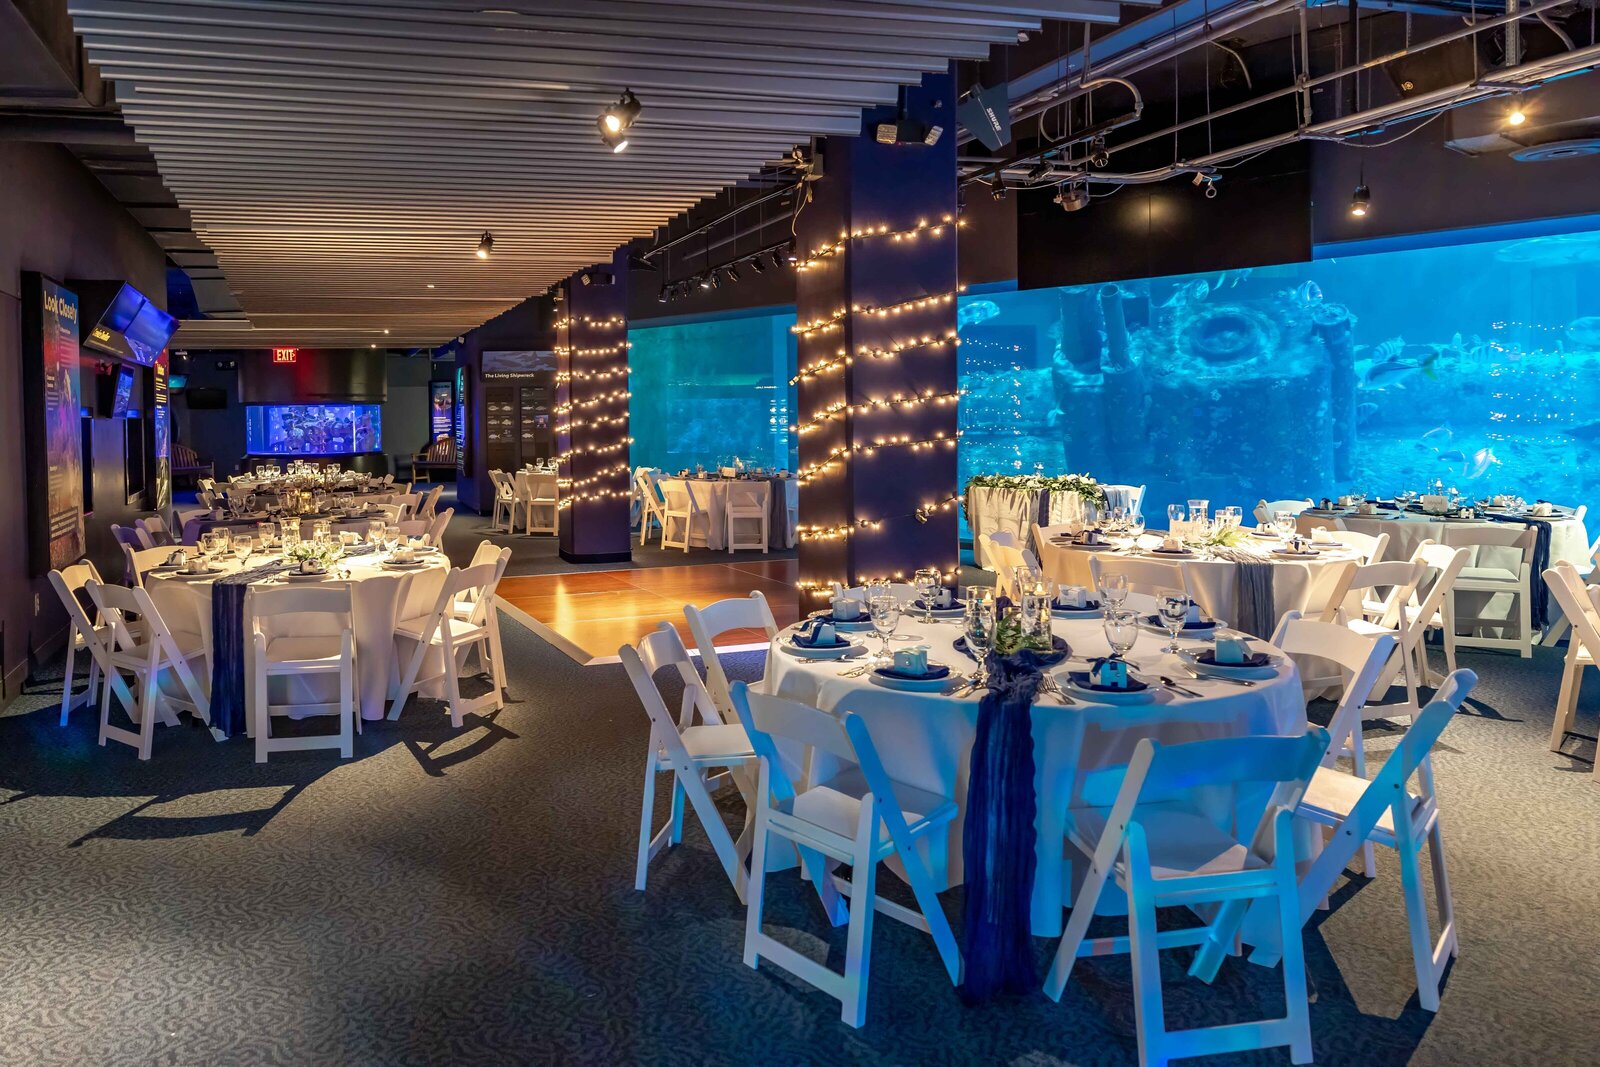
(485, 245)
(1361, 199)
(1516, 116)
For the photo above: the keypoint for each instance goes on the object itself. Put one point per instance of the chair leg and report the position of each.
(347, 708)
(105, 709)
(676, 836)
(755, 890)
(1567, 701)
(1298, 1015)
(1416, 911)
(1525, 621)
(147, 714)
(1146, 960)
(1358, 760)
(259, 714)
(497, 668)
(858, 943)
(646, 818)
(410, 680)
(66, 681)
(1441, 889)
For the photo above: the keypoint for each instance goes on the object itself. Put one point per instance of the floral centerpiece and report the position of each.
(1220, 537)
(323, 552)
(1009, 636)
(1084, 486)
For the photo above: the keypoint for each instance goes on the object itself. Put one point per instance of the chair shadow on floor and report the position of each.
(194, 785)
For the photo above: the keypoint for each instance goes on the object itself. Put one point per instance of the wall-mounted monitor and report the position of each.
(206, 398)
(517, 363)
(441, 409)
(312, 429)
(123, 394)
(127, 324)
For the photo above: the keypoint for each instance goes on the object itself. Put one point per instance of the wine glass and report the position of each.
(1283, 522)
(1197, 510)
(885, 617)
(978, 627)
(1174, 609)
(224, 540)
(1114, 590)
(1175, 517)
(246, 544)
(1121, 629)
(927, 582)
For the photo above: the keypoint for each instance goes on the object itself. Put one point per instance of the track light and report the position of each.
(665, 295)
(614, 121)
(733, 273)
(1361, 200)
(585, 279)
(485, 245)
(1073, 196)
(707, 281)
(777, 257)
(1516, 116)
(998, 189)
(1098, 154)
(716, 279)
(1041, 171)
(758, 264)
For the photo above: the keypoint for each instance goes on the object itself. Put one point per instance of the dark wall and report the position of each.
(317, 376)
(530, 326)
(56, 219)
(217, 434)
(405, 415)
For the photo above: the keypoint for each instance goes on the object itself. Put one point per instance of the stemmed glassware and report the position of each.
(1175, 519)
(1174, 609)
(1283, 522)
(927, 582)
(1113, 590)
(885, 612)
(1121, 629)
(978, 628)
(246, 544)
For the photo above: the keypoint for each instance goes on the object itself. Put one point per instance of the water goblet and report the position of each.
(1283, 522)
(224, 540)
(1114, 590)
(885, 614)
(978, 628)
(1198, 509)
(1174, 610)
(245, 544)
(1121, 629)
(375, 531)
(927, 582)
(1175, 518)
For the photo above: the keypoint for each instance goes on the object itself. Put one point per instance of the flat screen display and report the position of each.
(441, 409)
(515, 363)
(313, 429)
(124, 393)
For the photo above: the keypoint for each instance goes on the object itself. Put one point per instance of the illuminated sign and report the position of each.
(285, 355)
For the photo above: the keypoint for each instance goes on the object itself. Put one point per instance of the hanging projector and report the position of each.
(986, 113)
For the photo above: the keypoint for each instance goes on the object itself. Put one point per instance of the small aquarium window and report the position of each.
(312, 429)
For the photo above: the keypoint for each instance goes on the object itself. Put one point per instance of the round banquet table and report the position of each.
(379, 598)
(1569, 540)
(1212, 582)
(711, 496)
(926, 739)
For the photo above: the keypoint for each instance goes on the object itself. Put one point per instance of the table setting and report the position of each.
(203, 589)
(709, 488)
(1016, 710)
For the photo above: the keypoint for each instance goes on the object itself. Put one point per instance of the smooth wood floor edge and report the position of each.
(588, 615)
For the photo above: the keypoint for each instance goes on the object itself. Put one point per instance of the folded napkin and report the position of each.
(1086, 680)
(1542, 509)
(1110, 672)
(912, 661)
(1231, 650)
(1321, 536)
(1249, 659)
(818, 633)
(1071, 596)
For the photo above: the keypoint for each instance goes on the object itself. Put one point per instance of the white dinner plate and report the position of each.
(399, 566)
(296, 576)
(1147, 695)
(788, 645)
(915, 685)
(1215, 671)
(1204, 632)
(1284, 553)
(1077, 613)
(211, 572)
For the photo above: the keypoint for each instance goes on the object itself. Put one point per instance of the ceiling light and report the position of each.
(707, 281)
(1097, 152)
(1361, 200)
(1516, 116)
(614, 121)
(485, 245)
(386, 332)
(758, 265)
(664, 295)
(733, 273)
(777, 257)
(585, 279)
(614, 141)
(1073, 196)
(998, 189)
(933, 135)
(430, 285)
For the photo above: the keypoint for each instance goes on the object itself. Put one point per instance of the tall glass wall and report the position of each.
(706, 391)
(1475, 365)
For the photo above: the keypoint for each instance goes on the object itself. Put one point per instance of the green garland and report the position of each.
(1082, 484)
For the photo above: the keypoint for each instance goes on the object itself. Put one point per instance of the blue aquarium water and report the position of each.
(705, 391)
(1476, 364)
(312, 429)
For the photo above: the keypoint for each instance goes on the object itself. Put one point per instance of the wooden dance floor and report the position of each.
(590, 614)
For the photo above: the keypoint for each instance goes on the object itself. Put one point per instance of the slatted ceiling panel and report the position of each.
(341, 156)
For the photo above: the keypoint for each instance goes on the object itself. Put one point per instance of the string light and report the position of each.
(882, 230)
(593, 450)
(844, 359)
(614, 320)
(593, 375)
(840, 408)
(607, 350)
(839, 456)
(595, 401)
(598, 475)
(578, 424)
(836, 320)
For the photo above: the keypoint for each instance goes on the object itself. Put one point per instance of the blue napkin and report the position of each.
(1088, 605)
(1254, 659)
(954, 605)
(935, 670)
(806, 635)
(1203, 624)
(1085, 680)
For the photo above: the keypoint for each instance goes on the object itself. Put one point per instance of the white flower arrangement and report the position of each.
(324, 553)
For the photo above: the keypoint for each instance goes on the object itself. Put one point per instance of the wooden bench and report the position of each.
(439, 456)
(186, 463)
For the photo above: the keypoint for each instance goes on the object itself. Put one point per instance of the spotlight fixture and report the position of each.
(931, 138)
(758, 265)
(777, 257)
(1516, 116)
(998, 189)
(1097, 152)
(1361, 200)
(1073, 196)
(792, 257)
(585, 278)
(1041, 172)
(733, 273)
(430, 285)
(707, 281)
(485, 245)
(614, 121)
(716, 279)
(665, 295)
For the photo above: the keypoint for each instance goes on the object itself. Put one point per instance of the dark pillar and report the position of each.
(877, 354)
(592, 414)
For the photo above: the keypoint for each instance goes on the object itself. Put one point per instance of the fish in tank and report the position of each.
(1469, 365)
(312, 429)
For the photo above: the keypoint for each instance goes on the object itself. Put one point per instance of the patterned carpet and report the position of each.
(468, 899)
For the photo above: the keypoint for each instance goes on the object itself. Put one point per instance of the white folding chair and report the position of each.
(904, 592)
(451, 638)
(1267, 508)
(1163, 851)
(1375, 591)
(1385, 812)
(141, 561)
(1130, 498)
(145, 652)
(1371, 546)
(688, 750)
(1579, 605)
(469, 605)
(156, 531)
(857, 816)
(543, 503)
(415, 528)
(1361, 661)
(84, 633)
(652, 509)
(285, 651)
(748, 503)
(1005, 554)
(712, 621)
(430, 503)
(505, 496)
(1409, 622)
(1499, 564)
(438, 524)
(682, 513)
(1147, 576)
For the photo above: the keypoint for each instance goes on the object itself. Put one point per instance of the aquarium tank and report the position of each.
(312, 429)
(712, 390)
(1474, 366)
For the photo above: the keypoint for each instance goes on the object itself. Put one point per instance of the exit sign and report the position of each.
(285, 355)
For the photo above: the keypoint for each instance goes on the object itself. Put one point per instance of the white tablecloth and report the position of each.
(926, 740)
(379, 597)
(1212, 582)
(1569, 540)
(1017, 512)
(711, 496)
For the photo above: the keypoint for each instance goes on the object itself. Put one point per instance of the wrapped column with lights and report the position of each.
(591, 415)
(877, 370)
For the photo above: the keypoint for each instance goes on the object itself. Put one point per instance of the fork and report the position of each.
(1218, 678)
(1049, 685)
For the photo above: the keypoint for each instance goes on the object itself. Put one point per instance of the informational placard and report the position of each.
(441, 410)
(52, 402)
(461, 425)
(161, 430)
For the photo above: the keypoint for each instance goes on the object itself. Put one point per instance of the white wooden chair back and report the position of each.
(1005, 555)
(1444, 565)
(1379, 587)
(664, 649)
(1265, 509)
(415, 528)
(438, 525)
(1360, 660)
(329, 598)
(1371, 546)
(708, 623)
(155, 531)
(1507, 547)
(676, 497)
(146, 650)
(141, 561)
(1577, 602)
(1147, 576)
(1130, 498)
(71, 586)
